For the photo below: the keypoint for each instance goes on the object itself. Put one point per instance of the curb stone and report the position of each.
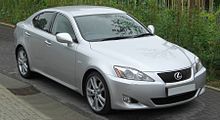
(213, 88)
(7, 24)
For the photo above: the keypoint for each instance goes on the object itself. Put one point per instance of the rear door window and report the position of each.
(43, 21)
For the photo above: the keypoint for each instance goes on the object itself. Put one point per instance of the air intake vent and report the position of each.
(174, 99)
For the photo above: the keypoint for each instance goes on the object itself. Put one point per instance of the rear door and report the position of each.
(37, 36)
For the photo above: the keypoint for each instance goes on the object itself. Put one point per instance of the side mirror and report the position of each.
(64, 38)
(151, 28)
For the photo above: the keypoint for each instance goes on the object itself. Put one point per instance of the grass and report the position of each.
(215, 82)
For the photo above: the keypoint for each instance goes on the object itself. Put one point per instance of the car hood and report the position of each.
(150, 53)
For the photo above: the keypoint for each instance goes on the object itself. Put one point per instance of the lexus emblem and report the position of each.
(178, 75)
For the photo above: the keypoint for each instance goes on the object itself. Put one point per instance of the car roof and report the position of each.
(86, 10)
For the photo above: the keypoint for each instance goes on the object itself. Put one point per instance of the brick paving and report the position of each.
(13, 108)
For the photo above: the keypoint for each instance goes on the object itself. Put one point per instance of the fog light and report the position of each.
(126, 99)
(129, 99)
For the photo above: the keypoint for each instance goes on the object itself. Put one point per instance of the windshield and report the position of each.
(109, 27)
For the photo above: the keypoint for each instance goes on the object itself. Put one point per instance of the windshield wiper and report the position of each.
(122, 37)
(115, 38)
(142, 35)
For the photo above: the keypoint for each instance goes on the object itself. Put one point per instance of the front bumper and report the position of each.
(145, 93)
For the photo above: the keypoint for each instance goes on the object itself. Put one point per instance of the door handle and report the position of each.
(27, 33)
(47, 42)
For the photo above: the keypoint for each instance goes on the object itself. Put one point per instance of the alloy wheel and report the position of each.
(22, 62)
(96, 93)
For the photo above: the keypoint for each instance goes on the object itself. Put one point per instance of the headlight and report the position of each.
(131, 74)
(197, 65)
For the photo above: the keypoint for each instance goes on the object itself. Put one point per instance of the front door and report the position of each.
(60, 56)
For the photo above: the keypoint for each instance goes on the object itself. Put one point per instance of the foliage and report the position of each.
(199, 33)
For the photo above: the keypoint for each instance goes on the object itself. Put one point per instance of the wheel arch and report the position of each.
(89, 71)
(28, 55)
(16, 49)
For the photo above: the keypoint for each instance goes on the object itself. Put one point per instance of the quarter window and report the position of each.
(62, 25)
(42, 21)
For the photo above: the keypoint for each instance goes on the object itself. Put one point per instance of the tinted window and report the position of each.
(97, 27)
(43, 21)
(62, 25)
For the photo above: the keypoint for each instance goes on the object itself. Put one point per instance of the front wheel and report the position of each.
(22, 63)
(97, 93)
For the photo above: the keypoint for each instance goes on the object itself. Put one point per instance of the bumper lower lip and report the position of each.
(144, 92)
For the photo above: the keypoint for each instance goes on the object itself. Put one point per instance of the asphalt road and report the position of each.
(206, 106)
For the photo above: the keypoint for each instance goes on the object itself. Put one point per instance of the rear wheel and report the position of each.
(97, 93)
(22, 63)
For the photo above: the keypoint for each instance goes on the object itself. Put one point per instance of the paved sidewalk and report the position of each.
(13, 108)
(21, 101)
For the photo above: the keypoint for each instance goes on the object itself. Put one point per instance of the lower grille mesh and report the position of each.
(174, 99)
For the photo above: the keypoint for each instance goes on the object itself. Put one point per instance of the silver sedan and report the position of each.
(109, 57)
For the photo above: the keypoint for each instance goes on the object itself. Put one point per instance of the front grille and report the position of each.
(174, 99)
(168, 77)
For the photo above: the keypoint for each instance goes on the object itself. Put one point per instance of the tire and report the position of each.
(97, 93)
(22, 63)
